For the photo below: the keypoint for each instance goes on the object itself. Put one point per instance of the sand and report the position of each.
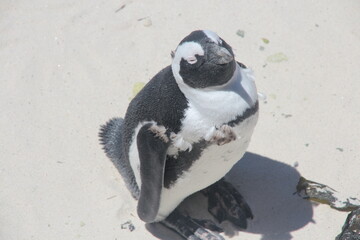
(69, 66)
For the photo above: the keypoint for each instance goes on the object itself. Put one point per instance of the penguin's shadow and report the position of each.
(268, 187)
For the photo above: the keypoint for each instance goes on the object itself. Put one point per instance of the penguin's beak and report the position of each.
(219, 55)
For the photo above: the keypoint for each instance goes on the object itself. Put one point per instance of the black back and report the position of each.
(161, 101)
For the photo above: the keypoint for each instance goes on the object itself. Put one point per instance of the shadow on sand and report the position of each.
(268, 187)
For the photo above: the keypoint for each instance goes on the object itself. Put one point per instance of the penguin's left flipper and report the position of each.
(192, 229)
(226, 203)
(152, 142)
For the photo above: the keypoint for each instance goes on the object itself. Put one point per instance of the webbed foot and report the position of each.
(226, 203)
(192, 229)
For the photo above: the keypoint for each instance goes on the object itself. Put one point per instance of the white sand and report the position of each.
(69, 66)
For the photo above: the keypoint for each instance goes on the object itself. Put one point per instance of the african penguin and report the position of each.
(184, 131)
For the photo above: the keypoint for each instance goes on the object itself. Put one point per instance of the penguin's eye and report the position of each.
(191, 59)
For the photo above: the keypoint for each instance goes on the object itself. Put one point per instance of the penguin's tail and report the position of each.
(110, 136)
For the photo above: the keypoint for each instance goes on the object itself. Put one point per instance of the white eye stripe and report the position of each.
(213, 36)
(186, 49)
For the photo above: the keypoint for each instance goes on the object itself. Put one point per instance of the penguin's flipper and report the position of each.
(152, 143)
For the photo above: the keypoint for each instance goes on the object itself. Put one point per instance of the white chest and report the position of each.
(213, 107)
(208, 109)
(214, 163)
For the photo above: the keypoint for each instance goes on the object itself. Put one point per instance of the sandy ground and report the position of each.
(69, 66)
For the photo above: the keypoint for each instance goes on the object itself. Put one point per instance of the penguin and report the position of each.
(183, 132)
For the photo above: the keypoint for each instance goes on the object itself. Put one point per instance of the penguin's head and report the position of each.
(203, 59)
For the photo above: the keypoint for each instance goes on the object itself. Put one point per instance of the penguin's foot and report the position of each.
(192, 229)
(160, 132)
(226, 203)
(223, 135)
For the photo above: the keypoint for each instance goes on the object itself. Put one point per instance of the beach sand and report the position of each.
(69, 66)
